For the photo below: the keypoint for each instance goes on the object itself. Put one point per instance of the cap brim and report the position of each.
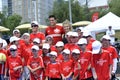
(96, 51)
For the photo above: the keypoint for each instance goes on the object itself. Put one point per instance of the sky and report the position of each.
(94, 3)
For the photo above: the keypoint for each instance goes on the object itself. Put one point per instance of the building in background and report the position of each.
(32, 9)
(95, 4)
(4, 6)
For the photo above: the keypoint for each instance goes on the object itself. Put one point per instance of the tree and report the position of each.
(13, 21)
(61, 10)
(114, 6)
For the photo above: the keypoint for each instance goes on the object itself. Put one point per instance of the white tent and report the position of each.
(102, 24)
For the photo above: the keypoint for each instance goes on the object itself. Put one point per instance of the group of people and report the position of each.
(57, 54)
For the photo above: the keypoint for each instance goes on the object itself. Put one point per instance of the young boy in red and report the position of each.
(102, 62)
(14, 64)
(66, 65)
(85, 60)
(53, 68)
(35, 64)
(77, 67)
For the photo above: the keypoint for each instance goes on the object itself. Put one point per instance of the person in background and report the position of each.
(52, 71)
(67, 27)
(16, 32)
(35, 64)
(101, 62)
(66, 65)
(105, 40)
(54, 30)
(49, 39)
(80, 32)
(111, 33)
(35, 32)
(14, 65)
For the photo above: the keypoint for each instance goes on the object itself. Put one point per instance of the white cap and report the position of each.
(82, 41)
(107, 37)
(34, 22)
(86, 33)
(13, 47)
(46, 46)
(26, 34)
(35, 47)
(1, 40)
(74, 34)
(76, 51)
(69, 33)
(96, 47)
(37, 40)
(16, 30)
(53, 53)
(59, 44)
(14, 38)
(66, 51)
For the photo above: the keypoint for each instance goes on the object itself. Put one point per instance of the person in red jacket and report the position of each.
(77, 66)
(14, 64)
(35, 64)
(85, 61)
(54, 30)
(102, 62)
(52, 71)
(66, 65)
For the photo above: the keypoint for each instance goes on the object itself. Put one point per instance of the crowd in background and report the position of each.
(57, 54)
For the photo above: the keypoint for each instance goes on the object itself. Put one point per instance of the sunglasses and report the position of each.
(13, 50)
(34, 25)
(80, 44)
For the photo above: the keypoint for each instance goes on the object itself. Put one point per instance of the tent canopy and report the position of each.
(81, 23)
(2, 29)
(102, 24)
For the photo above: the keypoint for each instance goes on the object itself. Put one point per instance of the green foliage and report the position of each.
(13, 21)
(61, 11)
(114, 6)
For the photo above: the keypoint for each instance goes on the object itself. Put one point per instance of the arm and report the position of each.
(110, 70)
(70, 74)
(114, 65)
(94, 73)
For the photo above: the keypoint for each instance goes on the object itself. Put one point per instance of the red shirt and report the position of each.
(26, 52)
(34, 63)
(101, 63)
(11, 63)
(76, 69)
(112, 51)
(66, 67)
(46, 60)
(56, 32)
(4, 52)
(39, 35)
(53, 70)
(85, 60)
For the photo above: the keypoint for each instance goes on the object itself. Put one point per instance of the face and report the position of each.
(35, 52)
(60, 48)
(75, 56)
(26, 38)
(1, 45)
(66, 56)
(52, 21)
(74, 39)
(49, 40)
(17, 34)
(105, 42)
(34, 28)
(79, 33)
(66, 28)
(13, 52)
(82, 46)
(45, 51)
(52, 57)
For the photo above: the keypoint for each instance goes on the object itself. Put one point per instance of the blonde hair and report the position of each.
(67, 22)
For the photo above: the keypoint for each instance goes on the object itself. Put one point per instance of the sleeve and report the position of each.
(47, 71)
(41, 62)
(115, 53)
(29, 60)
(43, 36)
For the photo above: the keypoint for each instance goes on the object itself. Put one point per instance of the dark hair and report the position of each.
(52, 16)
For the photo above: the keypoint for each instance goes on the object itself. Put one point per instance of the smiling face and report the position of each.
(52, 21)
(13, 52)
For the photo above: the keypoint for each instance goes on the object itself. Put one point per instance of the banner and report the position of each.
(95, 16)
